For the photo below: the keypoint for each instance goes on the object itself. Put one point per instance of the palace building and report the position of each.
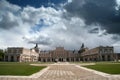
(84, 54)
(20, 54)
(99, 54)
(59, 54)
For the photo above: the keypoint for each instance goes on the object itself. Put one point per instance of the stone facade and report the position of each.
(99, 54)
(59, 54)
(20, 54)
(118, 57)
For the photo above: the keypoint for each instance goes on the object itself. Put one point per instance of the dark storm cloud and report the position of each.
(39, 42)
(102, 12)
(116, 37)
(42, 40)
(95, 30)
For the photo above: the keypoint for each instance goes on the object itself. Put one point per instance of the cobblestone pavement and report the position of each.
(69, 72)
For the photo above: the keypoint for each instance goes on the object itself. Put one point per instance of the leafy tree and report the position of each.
(1, 55)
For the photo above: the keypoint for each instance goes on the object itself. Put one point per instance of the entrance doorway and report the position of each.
(12, 58)
(61, 59)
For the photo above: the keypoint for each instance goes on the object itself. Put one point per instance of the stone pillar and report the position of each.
(4, 58)
(9, 58)
(84, 59)
(46, 60)
(100, 58)
(79, 59)
(50, 59)
(74, 59)
(69, 59)
(106, 57)
(112, 57)
(116, 57)
(20, 59)
(64, 59)
(88, 59)
(41, 60)
(15, 58)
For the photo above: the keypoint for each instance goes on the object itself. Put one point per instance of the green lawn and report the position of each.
(111, 68)
(21, 69)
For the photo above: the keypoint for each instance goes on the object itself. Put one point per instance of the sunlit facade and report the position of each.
(59, 54)
(20, 54)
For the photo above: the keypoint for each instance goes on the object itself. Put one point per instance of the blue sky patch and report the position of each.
(37, 27)
(36, 3)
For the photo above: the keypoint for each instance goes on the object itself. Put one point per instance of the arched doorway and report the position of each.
(6, 58)
(61, 59)
(18, 58)
(12, 58)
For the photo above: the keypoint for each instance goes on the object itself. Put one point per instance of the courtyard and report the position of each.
(60, 71)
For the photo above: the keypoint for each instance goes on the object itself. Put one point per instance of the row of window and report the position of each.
(106, 50)
(14, 51)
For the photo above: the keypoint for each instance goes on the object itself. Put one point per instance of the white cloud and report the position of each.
(117, 7)
(118, 2)
(69, 1)
(69, 32)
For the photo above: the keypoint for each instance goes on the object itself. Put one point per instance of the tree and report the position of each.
(1, 55)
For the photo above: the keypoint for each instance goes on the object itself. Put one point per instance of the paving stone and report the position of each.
(69, 72)
(64, 71)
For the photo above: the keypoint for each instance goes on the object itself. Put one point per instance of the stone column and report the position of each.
(9, 58)
(69, 59)
(78, 59)
(100, 57)
(74, 59)
(45, 59)
(112, 57)
(106, 57)
(83, 59)
(20, 59)
(64, 59)
(116, 57)
(88, 59)
(15, 58)
(50, 59)
(4, 58)
(41, 60)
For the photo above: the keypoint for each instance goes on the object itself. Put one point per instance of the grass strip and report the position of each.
(20, 69)
(107, 68)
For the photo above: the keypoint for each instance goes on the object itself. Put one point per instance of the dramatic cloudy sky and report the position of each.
(52, 23)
